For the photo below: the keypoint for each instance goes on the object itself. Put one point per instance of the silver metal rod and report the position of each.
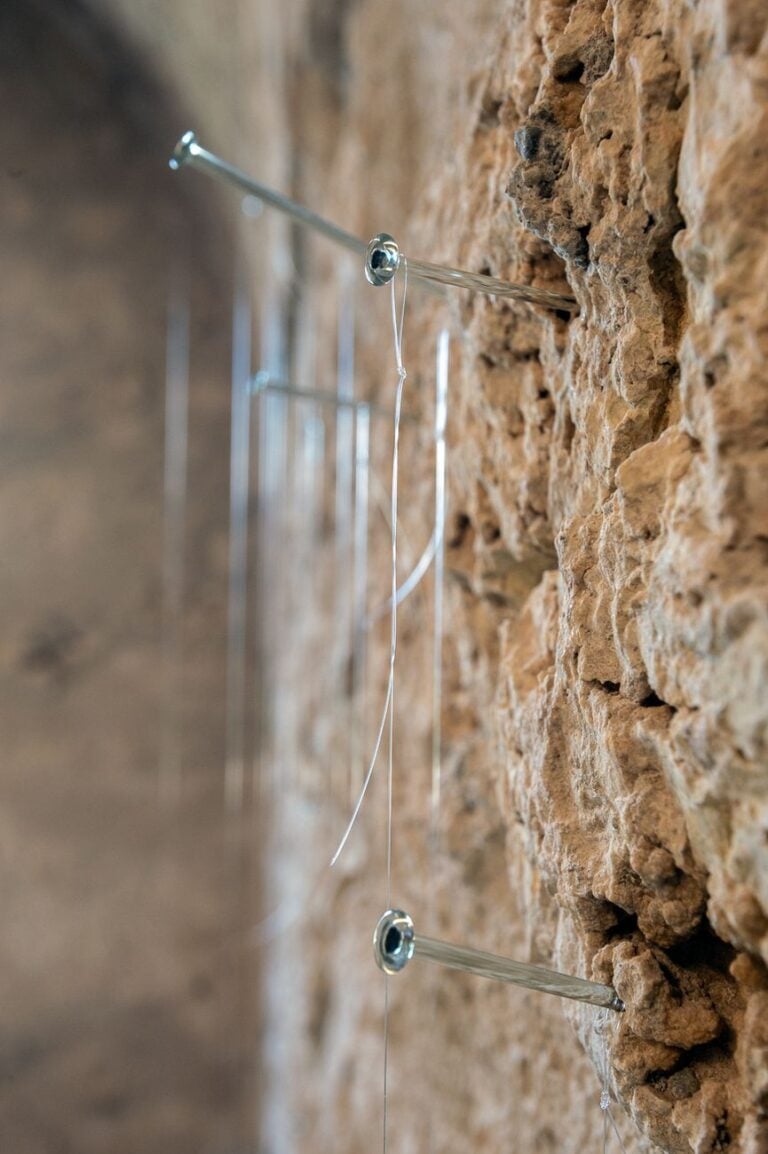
(383, 258)
(491, 285)
(395, 942)
(382, 255)
(189, 154)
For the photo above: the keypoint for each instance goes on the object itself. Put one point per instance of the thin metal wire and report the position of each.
(272, 414)
(367, 781)
(386, 710)
(603, 1022)
(174, 534)
(263, 382)
(344, 601)
(441, 414)
(360, 590)
(239, 471)
(434, 549)
(412, 581)
(441, 417)
(397, 330)
(385, 1112)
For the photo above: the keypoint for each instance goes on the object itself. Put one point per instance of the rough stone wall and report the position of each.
(607, 584)
(605, 642)
(630, 684)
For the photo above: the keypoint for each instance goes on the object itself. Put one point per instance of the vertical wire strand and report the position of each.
(174, 535)
(397, 330)
(360, 594)
(385, 1117)
(274, 451)
(604, 1023)
(345, 453)
(438, 536)
(441, 414)
(239, 480)
(397, 325)
(269, 407)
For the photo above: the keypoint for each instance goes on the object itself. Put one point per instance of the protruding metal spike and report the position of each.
(395, 942)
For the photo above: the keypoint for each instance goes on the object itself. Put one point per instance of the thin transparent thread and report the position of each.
(438, 536)
(602, 1024)
(441, 414)
(412, 581)
(397, 331)
(385, 1116)
(174, 533)
(237, 596)
(283, 917)
(386, 712)
(360, 590)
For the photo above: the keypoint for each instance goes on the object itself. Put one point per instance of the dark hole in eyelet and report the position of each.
(393, 940)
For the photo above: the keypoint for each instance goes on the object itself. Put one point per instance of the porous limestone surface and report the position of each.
(607, 624)
(623, 464)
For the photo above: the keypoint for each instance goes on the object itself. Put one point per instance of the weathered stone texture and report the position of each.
(608, 604)
(631, 684)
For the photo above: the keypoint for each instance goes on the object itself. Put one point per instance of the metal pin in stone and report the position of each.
(382, 255)
(395, 942)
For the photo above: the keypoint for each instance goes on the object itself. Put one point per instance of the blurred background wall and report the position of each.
(120, 976)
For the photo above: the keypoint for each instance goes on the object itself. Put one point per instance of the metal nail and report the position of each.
(189, 154)
(395, 942)
(382, 255)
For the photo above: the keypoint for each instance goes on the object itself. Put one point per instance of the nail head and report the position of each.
(393, 941)
(382, 257)
(183, 150)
